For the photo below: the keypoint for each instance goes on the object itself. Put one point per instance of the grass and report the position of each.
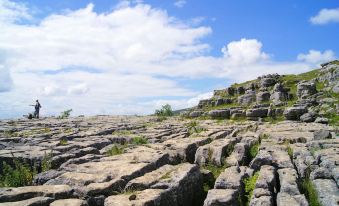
(116, 150)
(307, 188)
(19, 175)
(63, 142)
(139, 140)
(166, 176)
(254, 149)
(290, 151)
(193, 127)
(216, 170)
(122, 132)
(46, 162)
(249, 187)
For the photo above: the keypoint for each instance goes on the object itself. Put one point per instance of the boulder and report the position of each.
(263, 96)
(257, 112)
(279, 96)
(294, 113)
(321, 120)
(267, 82)
(196, 114)
(306, 89)
(308, 117)
(221, 197)
(248, 98)
(219, 113)
(241, 90)
(322, 134)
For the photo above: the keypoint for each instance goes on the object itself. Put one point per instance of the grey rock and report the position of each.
(219, 113)
(328, 193)
(258, 112)
(263, 97)
(308, 117)
(248, 98)
(294, 113)
(267, 82)
(306, 89)
(321, 120)
(196, 114)
(322, 134)
(221, 197)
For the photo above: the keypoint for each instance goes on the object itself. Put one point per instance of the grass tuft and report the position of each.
(139, 140)
(249, 187)
(116, 150)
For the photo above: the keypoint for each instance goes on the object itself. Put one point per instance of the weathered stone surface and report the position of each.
(248, 98)
(215, 152)
(288, 181)
(263, 97)
(221, 197)
(41, 201)
(327, 190)
(285, 199)
(232, 178)
(219, 113)
(69, 202)
(306, 89)
(22, 193)
(294, 113)
(308, 117)
(322, 134)
(257, 112)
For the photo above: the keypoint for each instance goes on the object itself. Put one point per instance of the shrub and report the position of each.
(46, 162)
(65, 114)
(63, 142)
(19, 175)
(249, 187)
(194, 128)
(139, 140)
(165, 111)
(116, 150)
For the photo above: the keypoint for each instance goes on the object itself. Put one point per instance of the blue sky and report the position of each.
(129, 57)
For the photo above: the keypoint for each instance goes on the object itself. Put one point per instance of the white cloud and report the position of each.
(11, 11)
(5, 79)
(326, 16)
(317, 57)
(245, 51)
(119, 62)
(180, 3)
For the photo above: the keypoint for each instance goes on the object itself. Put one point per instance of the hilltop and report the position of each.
(309, 97)
(270, 141)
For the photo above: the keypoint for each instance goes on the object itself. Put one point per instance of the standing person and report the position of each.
(37, 107)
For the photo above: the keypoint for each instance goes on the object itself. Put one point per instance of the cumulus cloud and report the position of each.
(317, 57)
(115, 62)
(326, 16)
(180, 3)
(245, 51)
(11, 11)
(5, 79)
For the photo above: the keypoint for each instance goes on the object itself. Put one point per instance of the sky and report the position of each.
(131, 57)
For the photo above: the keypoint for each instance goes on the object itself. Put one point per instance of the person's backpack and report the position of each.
(30, 116)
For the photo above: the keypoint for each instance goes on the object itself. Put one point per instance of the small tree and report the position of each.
(165, 111)
(65, 114)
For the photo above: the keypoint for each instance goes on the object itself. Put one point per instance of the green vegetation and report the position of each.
(65, 114)
(193, 127)
(63, 142)
(249, 187)
(216, 170)
(254, 149)
(122, 132)
(46, 162)
(139, 140)
(307, 188)
(19, 175)
(116, 150)
(314, 149)
(165, 111)
(290, 151)
(166, 176)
